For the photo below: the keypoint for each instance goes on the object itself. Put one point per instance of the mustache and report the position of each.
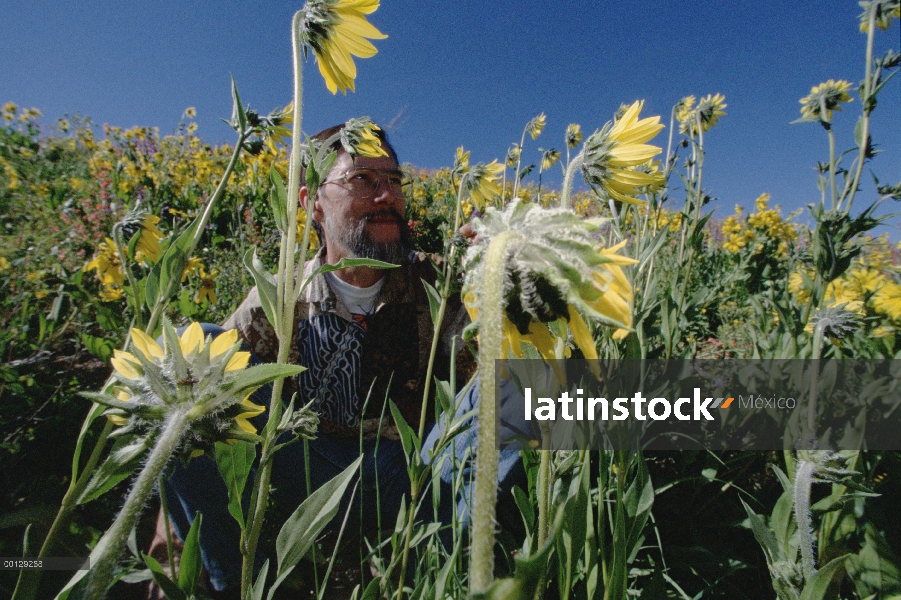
(386, 212)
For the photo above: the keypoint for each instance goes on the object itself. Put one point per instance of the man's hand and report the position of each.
(469, 233)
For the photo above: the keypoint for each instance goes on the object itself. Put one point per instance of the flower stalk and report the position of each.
(490, 339)
(286, 297)
(113, 541)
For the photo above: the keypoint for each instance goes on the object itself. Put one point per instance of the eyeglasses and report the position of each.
(365, 183)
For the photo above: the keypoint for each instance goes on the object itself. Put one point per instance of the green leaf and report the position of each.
(239, 117)
(123, 460)
(444, 572)
(346, 263)
(106, 400)
(152, 286)
(254, 377)
(265, 282)
(817, 586)
(132, 244)
(434, 301)
(234, 462)
(100, 347)
(171, 266)
(303, 527)
(407, 435)
(169, 587)
(573, 527)
(445, 396)
(186, 304)
(782, 523)
(372, 590)
(278, 199)
(191, 564)
(259, 586)
(527, 574)
(875, 568)
(764, 536)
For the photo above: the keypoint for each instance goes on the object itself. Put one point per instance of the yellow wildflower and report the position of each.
(148, 247)
(194, 265)
(107, 263)
(823, 99)
(336, 30)
(207, 287)
(611, 153)
(482, 183)
(536, 126)
(549, 158)
(887, 300)
(573, 135)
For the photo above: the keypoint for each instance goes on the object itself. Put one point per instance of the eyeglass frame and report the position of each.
(345, 178)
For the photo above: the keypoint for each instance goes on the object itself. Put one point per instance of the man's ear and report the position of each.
(304, 198)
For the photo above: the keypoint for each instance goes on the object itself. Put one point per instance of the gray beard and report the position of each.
(358, 243)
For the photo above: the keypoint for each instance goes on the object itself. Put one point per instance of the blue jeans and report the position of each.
(198, 486)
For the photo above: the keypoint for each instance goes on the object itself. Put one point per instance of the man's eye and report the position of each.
(395, 180)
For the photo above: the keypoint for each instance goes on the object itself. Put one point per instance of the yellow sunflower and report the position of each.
(337, 30)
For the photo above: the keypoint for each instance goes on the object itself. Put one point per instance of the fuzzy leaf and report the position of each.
(253, 377)
(123, 460)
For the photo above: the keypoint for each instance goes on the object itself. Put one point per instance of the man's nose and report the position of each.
(383, 193)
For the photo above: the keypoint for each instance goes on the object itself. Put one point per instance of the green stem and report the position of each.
(832, 166)
(867, 108)
(286, 299)
(544, 484)
(490, 341)
(133, 297)
(803, 483)
(415, 486)
(113, 541)
(575, 164)
(522, 142)
(164, 510)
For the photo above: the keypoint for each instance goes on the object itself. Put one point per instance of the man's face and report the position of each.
(359, 222)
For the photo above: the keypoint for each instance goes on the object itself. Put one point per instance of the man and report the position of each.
(363, 334)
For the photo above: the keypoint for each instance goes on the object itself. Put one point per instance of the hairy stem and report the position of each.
(574, 165)
(490, 339)
(113, 541)
(803, 483)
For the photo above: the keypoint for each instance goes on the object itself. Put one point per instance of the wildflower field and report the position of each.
(112, 239)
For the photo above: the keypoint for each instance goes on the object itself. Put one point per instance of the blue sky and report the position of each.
(473, 73)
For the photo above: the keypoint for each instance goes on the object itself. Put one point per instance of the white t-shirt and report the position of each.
(359, 301)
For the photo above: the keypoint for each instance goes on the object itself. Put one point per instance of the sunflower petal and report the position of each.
(191, 341)
(223, 343)
(146, 345)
